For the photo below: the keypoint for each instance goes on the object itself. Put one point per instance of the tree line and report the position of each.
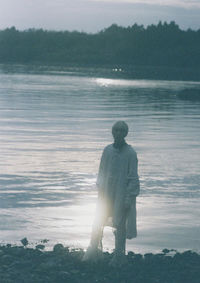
(164, 44)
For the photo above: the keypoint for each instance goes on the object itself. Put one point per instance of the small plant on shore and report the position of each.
(24, 242)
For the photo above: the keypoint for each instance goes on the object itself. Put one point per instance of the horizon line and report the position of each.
(103, 29)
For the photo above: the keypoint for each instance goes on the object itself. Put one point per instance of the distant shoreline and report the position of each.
(109, 71)
(162, 51)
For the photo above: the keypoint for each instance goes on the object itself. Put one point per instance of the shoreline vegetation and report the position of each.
(20, 264)
(161, 51)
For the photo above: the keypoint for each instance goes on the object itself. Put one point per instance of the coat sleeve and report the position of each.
(133, 186)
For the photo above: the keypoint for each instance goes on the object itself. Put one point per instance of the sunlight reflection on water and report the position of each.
(53, 131)
(175, 85)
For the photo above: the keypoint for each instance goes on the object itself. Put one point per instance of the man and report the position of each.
(118, 187)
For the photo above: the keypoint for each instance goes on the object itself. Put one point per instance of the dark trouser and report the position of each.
(120, 236)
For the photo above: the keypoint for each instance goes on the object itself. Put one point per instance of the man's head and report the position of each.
(119, 131)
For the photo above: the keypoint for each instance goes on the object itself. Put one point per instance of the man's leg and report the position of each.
(94, 251)
(96, 237)
(120, 237)
(120, 243)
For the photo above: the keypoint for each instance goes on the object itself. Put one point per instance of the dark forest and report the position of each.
(161, 45)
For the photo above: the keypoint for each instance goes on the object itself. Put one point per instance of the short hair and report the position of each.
(122, 124)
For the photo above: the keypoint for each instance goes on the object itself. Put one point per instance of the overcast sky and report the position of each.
(95, 15)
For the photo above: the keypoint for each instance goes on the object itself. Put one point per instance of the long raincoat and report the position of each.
(118, 179)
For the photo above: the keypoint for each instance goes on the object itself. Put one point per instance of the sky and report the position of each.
(95, 15)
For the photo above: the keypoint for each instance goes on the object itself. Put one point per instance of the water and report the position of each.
(54, 127)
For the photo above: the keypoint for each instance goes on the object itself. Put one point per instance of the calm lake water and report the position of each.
(53, 128)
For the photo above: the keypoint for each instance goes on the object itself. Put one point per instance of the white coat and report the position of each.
(118, 179)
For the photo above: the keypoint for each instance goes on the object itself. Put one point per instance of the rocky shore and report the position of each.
(21, 264)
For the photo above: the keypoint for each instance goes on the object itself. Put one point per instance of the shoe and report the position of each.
(118, 260)
(93, 254)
